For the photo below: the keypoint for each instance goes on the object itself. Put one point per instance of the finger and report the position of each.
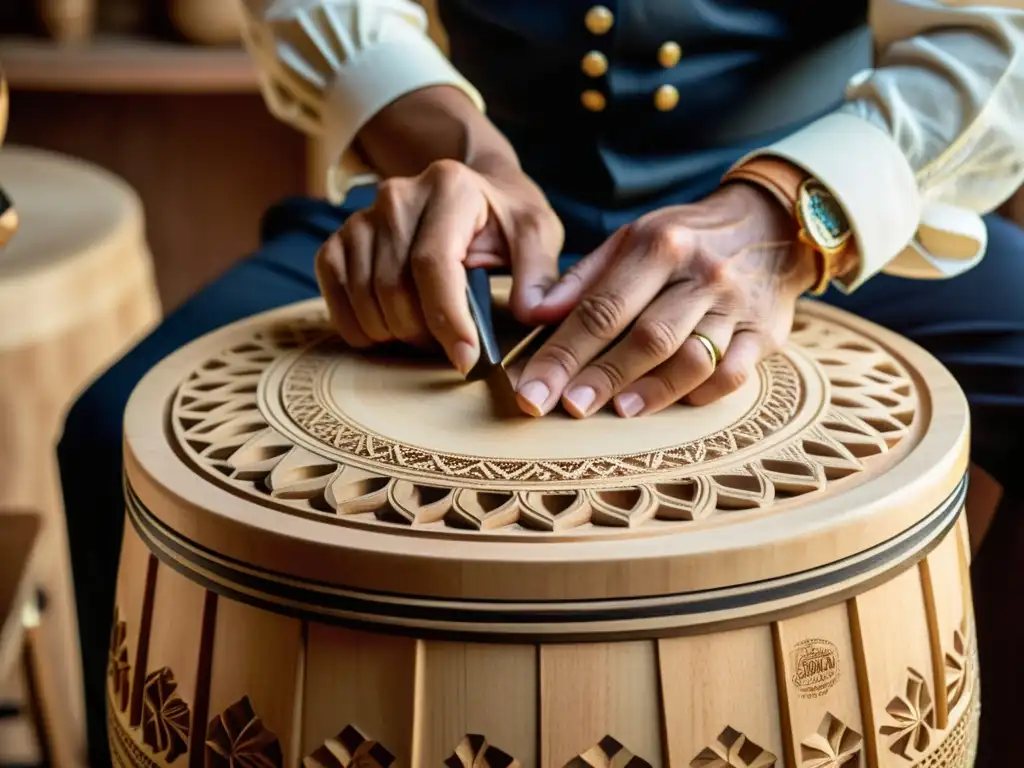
(626, 288)
(536, 243)
(329, 268)
(745, 351)
(576, 280)
(654, 338)
(451, 217)
(357, 240)
(686, 370)
(394, 288)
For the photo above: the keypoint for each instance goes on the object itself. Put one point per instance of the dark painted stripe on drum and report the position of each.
(380, 611)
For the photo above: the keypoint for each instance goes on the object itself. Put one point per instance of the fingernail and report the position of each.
(581, 398)
(464, 357)
(629, 404)
(535, 393)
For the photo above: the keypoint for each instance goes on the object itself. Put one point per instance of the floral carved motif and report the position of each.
(118, 668)
(221, 428)
(607, 753)
(912, 718)
(832, 746)
(349, 749)
(733, 749)
(474, 752)
(237, 738)
(165, 717)
(958, 665)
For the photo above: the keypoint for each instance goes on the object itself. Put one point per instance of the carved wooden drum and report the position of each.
(337, 559)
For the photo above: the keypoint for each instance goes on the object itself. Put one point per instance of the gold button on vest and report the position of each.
(594, 64)
(593, 100)
(599, 20)
(666, 98)
(669, 54)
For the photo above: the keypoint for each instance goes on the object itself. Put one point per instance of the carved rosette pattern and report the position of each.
(912, 718)
(165, 717)
(832, 746)
(733, 749)
(118, 668)
(237, 738)
(349, 749)
(474, 752)
(217, 418)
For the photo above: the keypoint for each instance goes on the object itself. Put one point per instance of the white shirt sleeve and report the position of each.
(327, 66)
(929, 140)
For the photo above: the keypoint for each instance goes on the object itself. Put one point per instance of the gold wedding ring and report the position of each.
(713, 351)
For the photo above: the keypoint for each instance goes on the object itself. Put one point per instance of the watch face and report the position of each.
(822, 216)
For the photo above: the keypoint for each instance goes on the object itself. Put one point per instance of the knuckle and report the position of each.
(656, 338)
(730, 377)
(613, 376)
(666, 242)
(600, 314)
(718, 276)
(559, 356)
(447, 171)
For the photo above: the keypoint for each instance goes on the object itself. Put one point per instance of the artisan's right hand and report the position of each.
(397, 270)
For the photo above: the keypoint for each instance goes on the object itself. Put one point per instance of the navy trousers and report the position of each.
(974, 324)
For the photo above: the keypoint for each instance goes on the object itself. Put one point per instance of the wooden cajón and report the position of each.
(341, 559)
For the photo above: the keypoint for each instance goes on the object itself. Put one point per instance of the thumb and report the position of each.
(534, 249)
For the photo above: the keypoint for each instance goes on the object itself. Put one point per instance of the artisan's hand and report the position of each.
(397, 270)
(725, 267)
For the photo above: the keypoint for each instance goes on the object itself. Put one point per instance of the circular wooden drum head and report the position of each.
(269, 462)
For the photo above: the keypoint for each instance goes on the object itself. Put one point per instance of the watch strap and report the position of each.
(784, 181)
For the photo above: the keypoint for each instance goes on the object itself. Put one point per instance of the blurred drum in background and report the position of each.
(76, 290)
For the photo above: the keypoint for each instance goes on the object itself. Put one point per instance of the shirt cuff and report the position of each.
(370, 81)
(870, 178)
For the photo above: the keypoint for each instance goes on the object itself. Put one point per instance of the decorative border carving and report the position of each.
(220, 428)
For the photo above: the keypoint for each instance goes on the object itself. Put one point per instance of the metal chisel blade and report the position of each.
(489, 367)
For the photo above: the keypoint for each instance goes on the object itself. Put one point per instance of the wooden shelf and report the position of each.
(120, 65)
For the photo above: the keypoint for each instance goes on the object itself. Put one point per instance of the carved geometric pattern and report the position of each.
(165, 717)
(474, 752)
(733, 750)
(237, 738)
(349, 749)
(118, 668)
(607, 753)
(958, 666)
(913, 716)
(220, 427)
(834, 745)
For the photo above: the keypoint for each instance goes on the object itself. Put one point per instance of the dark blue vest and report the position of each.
(749, 71)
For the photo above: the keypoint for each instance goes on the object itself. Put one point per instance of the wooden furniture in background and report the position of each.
(76, 289)
(343, 559)
(183, 124)
(22, 732)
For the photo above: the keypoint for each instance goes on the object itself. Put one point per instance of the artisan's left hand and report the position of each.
(727, 268)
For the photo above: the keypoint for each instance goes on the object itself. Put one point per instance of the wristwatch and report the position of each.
(823, 226)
